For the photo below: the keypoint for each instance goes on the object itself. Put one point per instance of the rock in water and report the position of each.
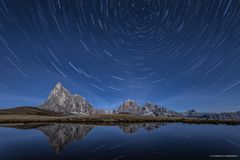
(62, 101)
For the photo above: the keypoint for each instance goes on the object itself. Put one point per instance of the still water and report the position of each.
(118, 142)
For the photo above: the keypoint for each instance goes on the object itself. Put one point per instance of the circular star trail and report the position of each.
(181, 54)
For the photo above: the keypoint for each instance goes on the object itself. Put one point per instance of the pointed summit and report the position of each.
(60, 100)
(58, 85)
(129, 101)
(59, 90)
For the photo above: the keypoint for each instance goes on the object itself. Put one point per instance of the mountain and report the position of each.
(62, 101)
(156, 110)
(148, 109)
(214, 116)
(129, 107)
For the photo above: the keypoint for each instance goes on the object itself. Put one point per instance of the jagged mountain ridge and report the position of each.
(149, 109)
(62, 101)
(129, 107)
(214, 116)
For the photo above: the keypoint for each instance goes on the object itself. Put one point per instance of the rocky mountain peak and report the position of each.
(129, 106)
(191, 111)
(130, 101)
(58, 90)
(58, 85)
(150, 105)
(148, 108)
(61, 100)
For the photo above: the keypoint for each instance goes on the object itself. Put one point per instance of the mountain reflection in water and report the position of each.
(118, 141)
(60, 135)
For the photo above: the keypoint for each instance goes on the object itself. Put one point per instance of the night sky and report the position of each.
(181, 54)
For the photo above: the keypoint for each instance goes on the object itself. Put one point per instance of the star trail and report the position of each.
(181, 54)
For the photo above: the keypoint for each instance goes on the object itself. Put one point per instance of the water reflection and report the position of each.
(133, 128)
(60, 135)
(122, 141)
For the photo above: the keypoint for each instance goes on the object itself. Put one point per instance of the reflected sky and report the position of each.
(127, 141)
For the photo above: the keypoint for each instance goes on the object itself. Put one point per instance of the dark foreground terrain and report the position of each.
(36, 115)
(25, 110)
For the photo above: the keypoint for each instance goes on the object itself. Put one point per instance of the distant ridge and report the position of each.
(61, 102)
(148, 109)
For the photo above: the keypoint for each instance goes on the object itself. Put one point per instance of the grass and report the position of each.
(25, 110)
(103, 118)
(36, 115)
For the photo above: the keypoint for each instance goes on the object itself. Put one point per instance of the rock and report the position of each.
(212, 116)
(149, 109)
(129, 107)
(62, 101)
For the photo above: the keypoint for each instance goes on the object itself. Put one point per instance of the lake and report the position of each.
(142, 141)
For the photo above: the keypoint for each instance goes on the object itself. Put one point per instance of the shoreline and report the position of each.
(105, 119)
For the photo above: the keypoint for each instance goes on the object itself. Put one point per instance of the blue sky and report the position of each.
(179, 54)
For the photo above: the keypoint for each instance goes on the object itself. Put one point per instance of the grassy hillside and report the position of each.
(25, 110)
